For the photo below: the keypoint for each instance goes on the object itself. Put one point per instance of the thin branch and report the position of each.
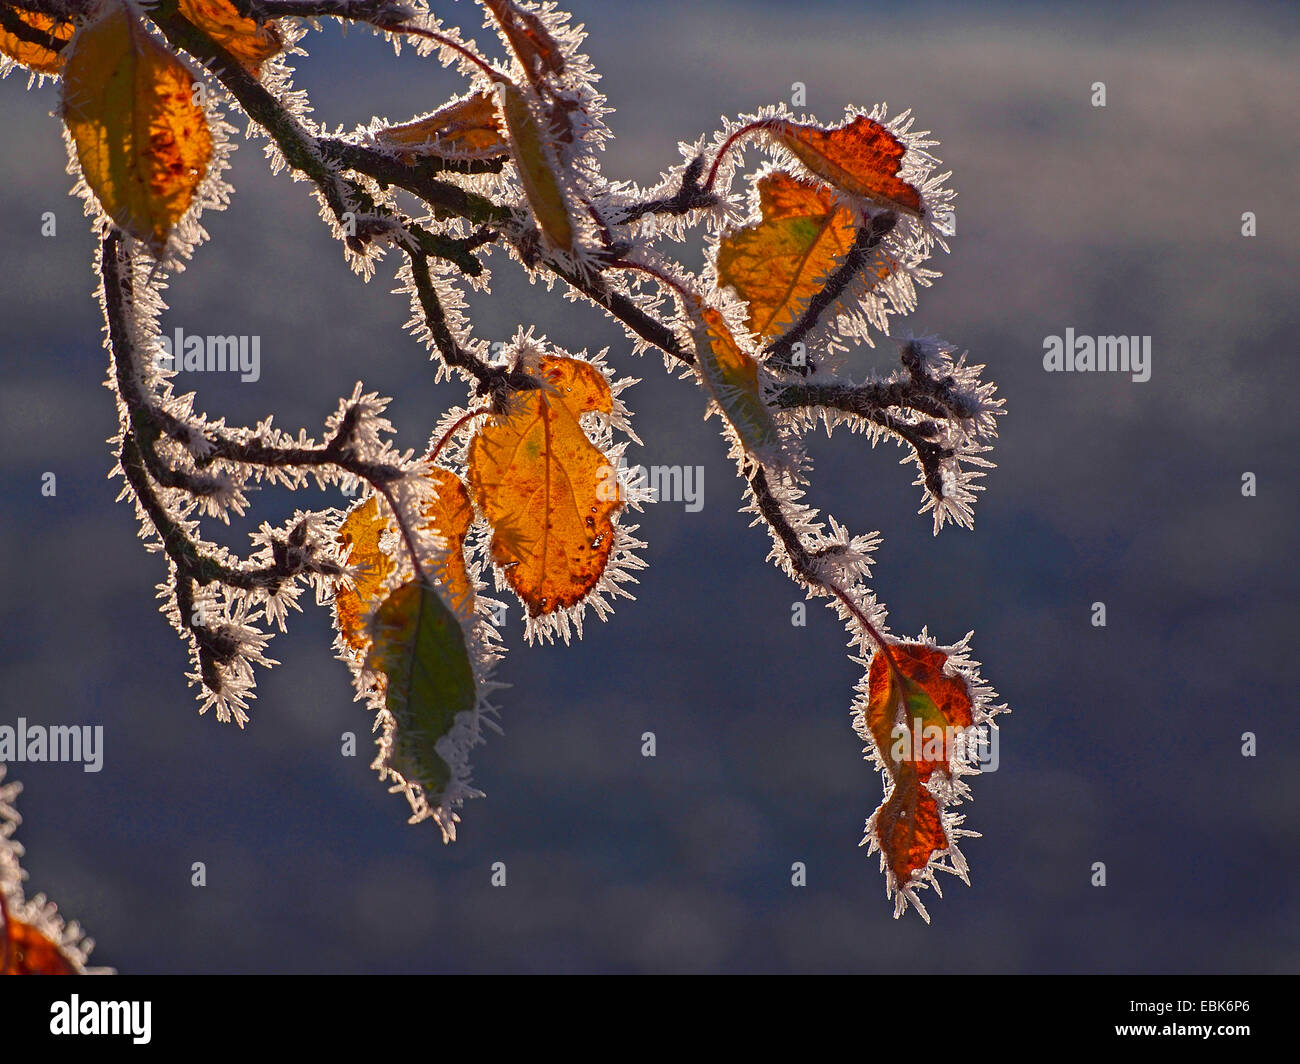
(689, 196)
(380, 13)
(16, 27)
(299, 148)
(62, 10)
(803, 561)
(855, 261)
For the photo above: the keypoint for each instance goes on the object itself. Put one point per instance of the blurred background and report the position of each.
(1125, 742)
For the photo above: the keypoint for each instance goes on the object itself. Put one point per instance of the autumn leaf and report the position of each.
(529, 39)
(464, 129)
(907, 684)
(780, 263)
(909, 827)
(731, 376)
(536, 170)
(30, 54)
(913, 711)
(420, 651)
(142, 142)
(449, 516)
(25, 951)
(862, 158)
(359, 534)
(543, 487)
(249, 41)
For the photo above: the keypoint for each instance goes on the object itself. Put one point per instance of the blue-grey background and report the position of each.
(1124, 746)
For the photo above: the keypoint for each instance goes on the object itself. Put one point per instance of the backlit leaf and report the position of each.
(419, 648)
(28, 952)
(779, 264)
(862, 158)
(360, 532)
(249, 41)
(536, 170)
(450, 516)
(542, 486)
(464, 129)
(909, 827)
(528, 38)
(30, 54)
(906, 685)
(916, 689)
(142, 141)
(731, 376)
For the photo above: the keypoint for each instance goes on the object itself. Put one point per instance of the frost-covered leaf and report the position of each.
(30, 54)
(731, 376)
(909, 827)
(537, 167)
(906, 685)
(249, 41)
(468, 128)
(778, 264)
(34, 939)
(918, 705)
(862, 158)
(449, 517)
(420, 650)
(141, 139)
(359, 535)
(545, 488)
(26, 951)
(527, 36)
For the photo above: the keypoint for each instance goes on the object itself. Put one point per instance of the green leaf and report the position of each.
(419, 647)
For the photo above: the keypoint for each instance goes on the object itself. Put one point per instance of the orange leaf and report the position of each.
(28, 952)
(536, 168)
(450, 516)
(909, 827)
(919, 690)
(542, 486)
(142, 141)
(464, 129)
(862, 158)
(914, 710)
(528, 38)
(731, 376)
(778, 265)
(249, 41)
(36, 56)
(360, 533)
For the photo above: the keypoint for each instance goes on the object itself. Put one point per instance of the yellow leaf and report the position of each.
(862, 158)
(249, 41)
(464, 129)
(359, 535)
(545, 489)
(450, 516)
(778, 265)
(142, 141)
(536, 170)
(36, 56)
